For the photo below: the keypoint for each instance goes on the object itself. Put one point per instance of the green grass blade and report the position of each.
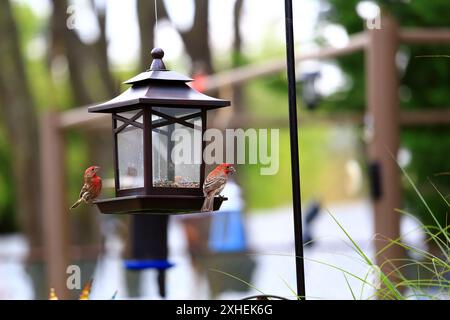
(349, 286)
(422, 199)
(237, 278)
(383, 277)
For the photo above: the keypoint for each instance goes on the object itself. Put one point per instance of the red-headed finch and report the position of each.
(91, 188)
(214, 184)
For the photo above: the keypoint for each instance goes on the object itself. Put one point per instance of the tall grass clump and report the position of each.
(421, 274)
(432, 267)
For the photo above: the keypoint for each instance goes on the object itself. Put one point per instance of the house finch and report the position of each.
(214, 184)
(91, 188)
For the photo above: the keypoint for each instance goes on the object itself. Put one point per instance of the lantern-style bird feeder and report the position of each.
(158, 127)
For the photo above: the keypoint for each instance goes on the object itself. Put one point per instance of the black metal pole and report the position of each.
(295, 165)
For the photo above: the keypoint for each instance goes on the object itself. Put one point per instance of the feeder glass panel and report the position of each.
(130, 153)
(177, 147)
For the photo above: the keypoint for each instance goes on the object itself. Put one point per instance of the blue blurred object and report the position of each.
(159, 265)
(310, 94)
(149, 249)
(311, 214)
(227, 233)
(147, 264)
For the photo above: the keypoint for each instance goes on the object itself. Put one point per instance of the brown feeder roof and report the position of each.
(158, 75)
(161, 87)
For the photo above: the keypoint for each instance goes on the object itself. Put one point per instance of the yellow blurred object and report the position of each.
(86, 291)
(52, 295)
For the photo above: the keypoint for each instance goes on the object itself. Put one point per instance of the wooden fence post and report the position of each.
(54, 210)
(382, 124)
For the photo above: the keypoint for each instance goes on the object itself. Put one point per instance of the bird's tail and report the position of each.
(76, 204)
(208, 204)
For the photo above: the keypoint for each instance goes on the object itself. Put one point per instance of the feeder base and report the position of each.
(155, 204)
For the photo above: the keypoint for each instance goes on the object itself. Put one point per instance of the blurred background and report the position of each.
(58, 55)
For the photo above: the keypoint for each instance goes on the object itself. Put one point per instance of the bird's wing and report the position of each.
(83, 190)
(214, 184)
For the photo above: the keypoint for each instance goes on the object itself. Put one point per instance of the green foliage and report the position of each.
(76, 162)
(426, 78)
(424, 84)
(27, 25)
(321, 157)
(32, 32)
(267, 97)
(261, 190)
(8, 221)
(428, 163)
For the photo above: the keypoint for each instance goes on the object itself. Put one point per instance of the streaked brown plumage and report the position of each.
(91, 188)
(214, 184)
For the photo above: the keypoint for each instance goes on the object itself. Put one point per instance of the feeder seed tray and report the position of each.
(160, 204)
(175, 184)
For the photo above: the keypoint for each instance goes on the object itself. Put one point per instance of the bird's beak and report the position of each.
(232, 169)
(97, 169)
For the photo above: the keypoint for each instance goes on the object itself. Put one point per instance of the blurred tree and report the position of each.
(19, 118)
(65, 43)
(424, 83)
(195, 38)
(91, 80)
(101, 53)
(146, 19)
(8, 221)
(237, 57)
(90, 75)
(237, 37)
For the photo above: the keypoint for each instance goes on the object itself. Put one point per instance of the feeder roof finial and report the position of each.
(157, 63)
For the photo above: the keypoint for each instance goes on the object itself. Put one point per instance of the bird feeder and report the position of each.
(152, 121)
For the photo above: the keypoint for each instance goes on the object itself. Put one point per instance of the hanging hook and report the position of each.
(156, 24)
